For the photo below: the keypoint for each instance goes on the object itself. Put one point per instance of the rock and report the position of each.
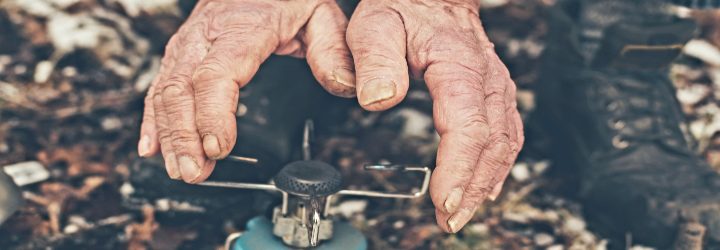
(543, 239)
(520, 172)
(704, 51)
(136, 7)
(693, 94)
(479, 228)
(486, 4)
(556, 247)
(111, 123)
(29, 172)
(349, 207)
(526, 100)
(641, 248)
(126, 189)
(42, 71)
(540, 167)
(574, 225)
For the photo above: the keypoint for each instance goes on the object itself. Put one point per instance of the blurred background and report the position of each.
(73, 75)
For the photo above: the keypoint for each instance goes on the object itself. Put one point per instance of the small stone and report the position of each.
(162, 205)
(551, 216)
(638, 247)
(493, 3)
(543, 239)
(126, 189)
(19, 69)
(526, 100)
(70, 229)
(540, 167)
(111, 123)
(479, 228)
(520, 172)
(372, 222)
(399, 224)
(28, 172)
(703, 50)
(574, 225)
(693, 94)
(42, 71)
(556, 247)
(515, 217)
(241, 110)
(69, 71)
(349, 207)
(78, 220)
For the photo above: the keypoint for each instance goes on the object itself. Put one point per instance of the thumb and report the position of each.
(376, 38)
(327, 52)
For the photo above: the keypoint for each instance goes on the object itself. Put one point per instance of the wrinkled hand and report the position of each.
(474, 98)
(190, 107)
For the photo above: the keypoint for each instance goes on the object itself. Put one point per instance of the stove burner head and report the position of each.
(309, 178)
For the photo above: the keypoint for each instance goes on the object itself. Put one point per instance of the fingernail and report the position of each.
(211, 146)
(492, 197)
(172, 167)
(453, 200)
(496, 191)
(377, 91)
(188, 168)
(144, 146)
(458, 220)
(344, 77)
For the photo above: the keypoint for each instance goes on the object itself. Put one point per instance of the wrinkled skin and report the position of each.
(221, 45)
(190, 107)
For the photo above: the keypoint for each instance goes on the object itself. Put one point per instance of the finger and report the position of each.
(163, 130)
(376, 38)
(177, 96)
(149, 144)
(495, 161)
(327, 51)
(230, 64)
(461, 121)
(161, 121)
(515, 134)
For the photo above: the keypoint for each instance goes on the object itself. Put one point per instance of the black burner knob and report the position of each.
(309, 178)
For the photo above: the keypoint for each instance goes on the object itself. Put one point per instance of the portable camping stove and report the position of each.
(303, 220)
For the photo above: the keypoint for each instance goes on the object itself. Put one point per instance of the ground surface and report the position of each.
(72, 77)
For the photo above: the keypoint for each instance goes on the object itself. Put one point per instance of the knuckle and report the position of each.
(499, 150)
(475, 124)
(211, 70)
(176, 84)
(499, 139)
(149, 100)
(183, 137)
(173, 89)
(163, 135)
(476, 192)
(495, 91)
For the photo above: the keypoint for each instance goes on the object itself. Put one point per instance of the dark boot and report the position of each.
(607, 101)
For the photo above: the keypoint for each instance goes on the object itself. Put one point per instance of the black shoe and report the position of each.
(617, 123)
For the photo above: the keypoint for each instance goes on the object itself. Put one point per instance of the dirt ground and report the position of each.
(73, 74)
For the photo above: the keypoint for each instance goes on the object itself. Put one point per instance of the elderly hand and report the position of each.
(474, 98)
(190, 107)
